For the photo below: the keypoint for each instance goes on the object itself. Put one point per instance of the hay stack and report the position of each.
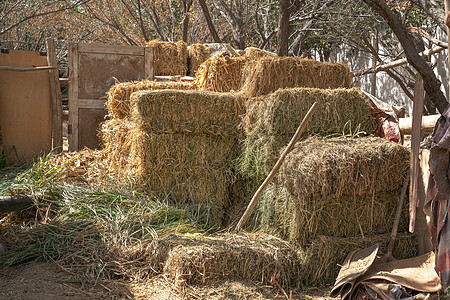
(271, 121)
(326, 254)
(220, 73)
(269, 74)
(169, 58)
(256, 53)
(181, 144)
(252, 258)
(197, 54)
(118, 103)
(340, 187)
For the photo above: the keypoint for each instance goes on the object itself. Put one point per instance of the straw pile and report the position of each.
(252, 258)
(340, 187)
(197, 54)
(270, 74)
(256, 53)
(271, 121)
(169, 58)
(220, 73)
(326, 254)
(118, 103)
(181, 144)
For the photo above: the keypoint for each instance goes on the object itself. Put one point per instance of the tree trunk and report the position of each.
(283, 28)
(211, 27)
(186, 7)
(431, 84)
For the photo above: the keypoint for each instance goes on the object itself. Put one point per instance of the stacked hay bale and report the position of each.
(170, 58)
(271, 121)
(197, 54)
(181, 144)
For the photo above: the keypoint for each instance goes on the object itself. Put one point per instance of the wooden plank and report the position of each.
(428, 123)
(25, 106)
(89, 126)
(149, 62)
(73, 97)
(419, 96)
(110, 49)
(92, 103)
(56, 96)
(8, 68)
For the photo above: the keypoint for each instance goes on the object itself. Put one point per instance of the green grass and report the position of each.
(112, 231)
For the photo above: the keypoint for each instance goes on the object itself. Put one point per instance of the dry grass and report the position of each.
(197, 54)
(119, 105)
(196, 112)
(269, 74)
(170, 58)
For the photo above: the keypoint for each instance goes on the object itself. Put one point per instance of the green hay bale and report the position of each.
(119, 104)
(272, 73)
(325, 255)
(301, 219)
(197, 54)
(252, 258)
(173, 111)
(340, 110)
(170, 58)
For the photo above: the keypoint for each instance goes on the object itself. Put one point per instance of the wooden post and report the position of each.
(57, 112)
(275, 168)
(419, 97)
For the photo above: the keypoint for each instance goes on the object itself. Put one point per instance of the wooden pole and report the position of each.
(15, 203)
(57, 111)
(428, 123)
(447, 22)
(275, 169)
(7, 68)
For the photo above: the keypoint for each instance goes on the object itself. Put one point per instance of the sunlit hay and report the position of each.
(325, 255)
(173, 111)
(255, 258)
(197, 54)
(256, 53)
(170, 58)
(271, 121)
(118, 104)
(220, 73)
(87, 166)
(269, 74)
(184, 167)
(342, 187)
(120, 138)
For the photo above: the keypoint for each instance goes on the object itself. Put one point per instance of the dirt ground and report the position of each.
(38, 281)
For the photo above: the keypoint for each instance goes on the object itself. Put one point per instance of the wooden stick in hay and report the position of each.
(275, 169)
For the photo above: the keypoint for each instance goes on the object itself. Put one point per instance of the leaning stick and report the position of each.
(275, 168)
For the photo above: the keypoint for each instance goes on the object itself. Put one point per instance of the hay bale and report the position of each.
(340, 192)
(256, 53)
(197, 54)
(253, 258)
(119, 105)
(170, 58)
(271, 121)
(173, 111)
(326, 254)
(220, 73)
(270, 74)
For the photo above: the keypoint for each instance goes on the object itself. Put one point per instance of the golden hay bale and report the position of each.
(264, 259)
(119, 105)
(173, 111)
(336, 189)
(197, 54)
(194, 168)
(270, 122)
(220, 73)
(170, 58)
(269, 74)
(325, 255)
(256, 53)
